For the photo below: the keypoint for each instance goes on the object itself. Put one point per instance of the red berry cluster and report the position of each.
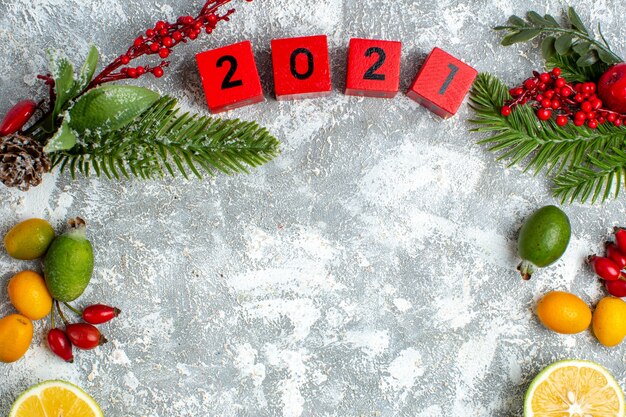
(84, 336)
(610, 268)
(551, 95)
(159, 40)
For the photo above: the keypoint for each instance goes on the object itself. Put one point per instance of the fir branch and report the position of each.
(601, 177)
(522, 139)
(574, 73)
(571, 39)
(161, 142)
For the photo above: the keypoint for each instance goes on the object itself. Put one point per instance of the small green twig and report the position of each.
(74, 310)
(61, 313)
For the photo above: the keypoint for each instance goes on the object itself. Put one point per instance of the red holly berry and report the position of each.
(592, 124)
(544, 114)
(613, 253)
(561, 120)
(17, 116)
(60, 345)
(616, 288)
(158, 72)
(544, 77)
(164, 53)
(505, 111)
(84, 336)
(100, 313)
(605, 268)
(556, 72)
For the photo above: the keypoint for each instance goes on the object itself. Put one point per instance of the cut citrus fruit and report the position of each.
(574, 388)
(55, 398)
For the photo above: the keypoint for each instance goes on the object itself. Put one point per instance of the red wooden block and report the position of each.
(230, 77)
(301, 67)
(442, 83)
(373, 68)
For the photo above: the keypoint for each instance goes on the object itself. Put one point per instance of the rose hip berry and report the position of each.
(100, 313)
(17, 117)
(616, 288)
(620, 239)
(605, 268)
(614, 254)
(84, 336)
(60, 345)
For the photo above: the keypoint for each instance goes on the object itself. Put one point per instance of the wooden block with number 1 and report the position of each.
(230, 77)
(373, 68)
(442, 83)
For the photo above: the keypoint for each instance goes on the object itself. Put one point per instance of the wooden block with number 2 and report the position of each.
(230, 77)
(373, 68)
(442, 83)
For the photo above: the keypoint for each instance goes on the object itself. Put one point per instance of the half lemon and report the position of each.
(55, 398)
(574, 388)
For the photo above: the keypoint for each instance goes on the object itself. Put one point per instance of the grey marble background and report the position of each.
(368, 272)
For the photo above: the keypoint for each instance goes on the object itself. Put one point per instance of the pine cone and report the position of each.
(22, 162)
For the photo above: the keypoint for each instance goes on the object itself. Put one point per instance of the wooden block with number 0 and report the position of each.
(373, 68)
(442, 83)
(301, 67)
(230, 77)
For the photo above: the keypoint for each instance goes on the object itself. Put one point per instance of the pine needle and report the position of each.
(161, 142)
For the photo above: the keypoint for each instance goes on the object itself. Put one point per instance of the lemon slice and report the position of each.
(574, 389)
(55, 398)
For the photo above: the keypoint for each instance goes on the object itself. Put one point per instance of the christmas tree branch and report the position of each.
(161, 142)
(522, 139)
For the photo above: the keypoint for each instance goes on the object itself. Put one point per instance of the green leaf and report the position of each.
(576, 21)
(161, 141)
(606, 57)
(547, 47)
(588, 59)
(551, 21)
(88, 69)
(62, 140)
(110, 107)
(523, 35)
(582, 47)
(536, 18)
(563, 44)
(63, 73)
(517, 21)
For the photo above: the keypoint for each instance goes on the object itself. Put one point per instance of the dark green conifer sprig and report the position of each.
(161, 141)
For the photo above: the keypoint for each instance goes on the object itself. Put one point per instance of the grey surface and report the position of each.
(369, 271)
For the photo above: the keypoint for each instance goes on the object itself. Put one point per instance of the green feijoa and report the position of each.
(69, 263)
(543, 239)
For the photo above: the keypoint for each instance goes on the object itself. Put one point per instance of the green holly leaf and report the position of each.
(62, 140)
(110, 107)
(88, 70)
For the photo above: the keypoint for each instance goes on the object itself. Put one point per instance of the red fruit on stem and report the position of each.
(544, 114)
(17, 117)
(505, 111)
(100, 313)
(561, 120)
(616, 288)
(84, 336)
(620, 239)
(612, 88)
(616, 255)
(60, 345)
(605, 268)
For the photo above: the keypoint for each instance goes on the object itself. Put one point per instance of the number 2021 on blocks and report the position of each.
(301, 69)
